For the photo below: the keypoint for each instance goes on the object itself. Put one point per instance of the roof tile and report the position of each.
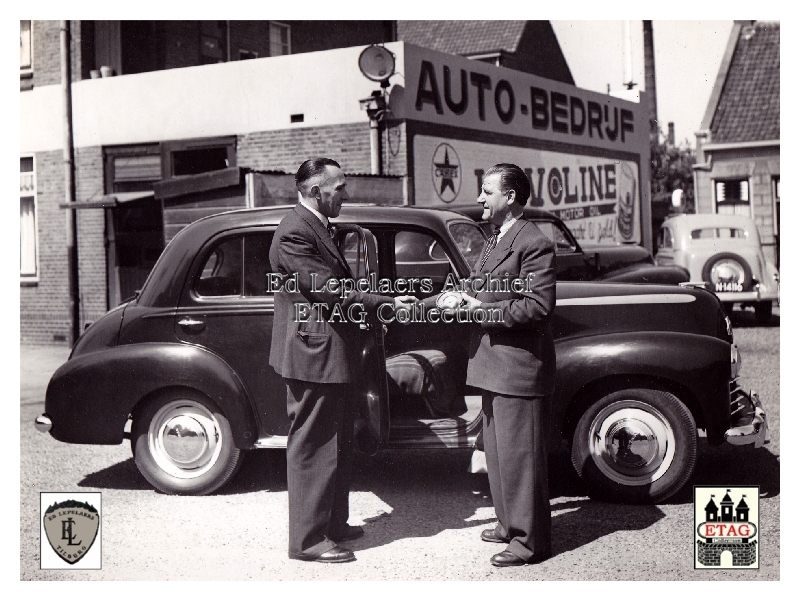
(462, 37)
(749, 105)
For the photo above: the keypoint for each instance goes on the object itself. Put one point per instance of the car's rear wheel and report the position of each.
(182, 444)
(635, 446)
(728, 272)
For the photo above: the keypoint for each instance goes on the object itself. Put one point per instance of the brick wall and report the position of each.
(91, 235)
(47, 53)
(44, 306)
(758, 166)
(348, 144)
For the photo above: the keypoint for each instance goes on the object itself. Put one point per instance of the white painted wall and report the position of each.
(211, 100)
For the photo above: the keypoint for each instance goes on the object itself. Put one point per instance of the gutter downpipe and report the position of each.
(69, 184)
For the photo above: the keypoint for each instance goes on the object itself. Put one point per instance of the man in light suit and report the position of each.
(317, 358)
(514, 363)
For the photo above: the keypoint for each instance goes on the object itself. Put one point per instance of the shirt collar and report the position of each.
(506, 226)
(315, 212)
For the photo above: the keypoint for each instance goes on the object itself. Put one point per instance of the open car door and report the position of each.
(359, 248)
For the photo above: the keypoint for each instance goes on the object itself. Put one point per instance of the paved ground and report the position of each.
(422, 512)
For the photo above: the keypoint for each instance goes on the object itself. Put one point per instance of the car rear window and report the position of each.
(717, 232)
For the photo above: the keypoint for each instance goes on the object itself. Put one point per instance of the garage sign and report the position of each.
(597, 197)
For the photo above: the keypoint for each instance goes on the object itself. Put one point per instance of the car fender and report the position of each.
(90, 396)
(694, 367)
(672, 274)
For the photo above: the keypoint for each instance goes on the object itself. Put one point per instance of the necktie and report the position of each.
(490, 244)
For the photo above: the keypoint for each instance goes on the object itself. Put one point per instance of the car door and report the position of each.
(226, 307)
(360, 250)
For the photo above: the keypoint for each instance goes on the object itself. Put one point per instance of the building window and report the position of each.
(25, 46)
(247, 54)
(28, 254)
(732, 197)
(192, 157)
(213, 42)
(280, 39)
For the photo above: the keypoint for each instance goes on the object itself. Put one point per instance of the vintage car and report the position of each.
(182, 369)
(622, 263)
(724, 251)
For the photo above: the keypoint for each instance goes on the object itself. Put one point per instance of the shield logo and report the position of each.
(71, 528)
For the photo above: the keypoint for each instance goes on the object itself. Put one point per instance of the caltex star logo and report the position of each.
(446, 173)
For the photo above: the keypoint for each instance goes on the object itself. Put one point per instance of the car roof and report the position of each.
(474, 211)
(694, 221)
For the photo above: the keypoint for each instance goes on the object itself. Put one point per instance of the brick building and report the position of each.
(738, 146)
(156, 101)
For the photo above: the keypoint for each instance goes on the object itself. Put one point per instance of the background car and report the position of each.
(183, 369)
(623, 263)
(724, 251)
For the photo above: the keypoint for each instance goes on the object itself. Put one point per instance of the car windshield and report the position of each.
(469, 239)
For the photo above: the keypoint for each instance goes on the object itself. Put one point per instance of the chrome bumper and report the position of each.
(753, 432)
(43, 423)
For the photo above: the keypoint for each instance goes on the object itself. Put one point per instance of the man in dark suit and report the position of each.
(513, 361)
(316, 356)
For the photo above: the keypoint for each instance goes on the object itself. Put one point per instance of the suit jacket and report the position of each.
(517, 356)
(321, 349)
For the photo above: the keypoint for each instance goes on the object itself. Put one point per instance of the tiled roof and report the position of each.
(462, 37)
(749, 105)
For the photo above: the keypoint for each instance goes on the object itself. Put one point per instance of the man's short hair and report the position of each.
(512, 178)
(311, 168)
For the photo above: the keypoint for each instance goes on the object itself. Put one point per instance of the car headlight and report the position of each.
(736, 361)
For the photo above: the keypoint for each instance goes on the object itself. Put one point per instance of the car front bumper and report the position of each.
(754, 429)
(43, 423)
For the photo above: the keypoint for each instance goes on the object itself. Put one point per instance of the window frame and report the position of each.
(288, 29)
(32, 278)
(29, 69)
(168, 148)
(726, 203)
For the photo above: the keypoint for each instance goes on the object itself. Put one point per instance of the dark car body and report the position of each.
(185, 364)
(624, 263)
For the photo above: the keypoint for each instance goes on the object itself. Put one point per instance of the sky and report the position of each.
(687, 54)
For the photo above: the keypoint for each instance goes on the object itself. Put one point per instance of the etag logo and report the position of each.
(726, 527)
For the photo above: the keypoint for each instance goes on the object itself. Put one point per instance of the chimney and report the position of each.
(650, 78)
(671, 134)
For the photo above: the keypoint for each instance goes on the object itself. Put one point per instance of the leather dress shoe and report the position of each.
(490, 535)
(337, 554)
(509, 559)
(351, 532)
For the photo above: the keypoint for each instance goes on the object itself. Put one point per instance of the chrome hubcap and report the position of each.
(184, 439)
(631, 442)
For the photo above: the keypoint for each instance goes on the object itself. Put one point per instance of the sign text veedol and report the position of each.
(452, 90)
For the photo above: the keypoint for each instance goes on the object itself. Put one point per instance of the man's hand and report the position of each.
(469, 302)
(406, 302)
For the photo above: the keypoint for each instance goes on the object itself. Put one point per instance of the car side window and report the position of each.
(237, 266)
(222, 272)
(420, 255)
(256, 264)
(564, 245)
(353, 252)
(665, 238)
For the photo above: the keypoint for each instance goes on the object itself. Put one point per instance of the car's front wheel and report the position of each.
(182, 444)
(635, 446)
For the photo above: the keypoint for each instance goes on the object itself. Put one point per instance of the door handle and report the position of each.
(192, 324)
